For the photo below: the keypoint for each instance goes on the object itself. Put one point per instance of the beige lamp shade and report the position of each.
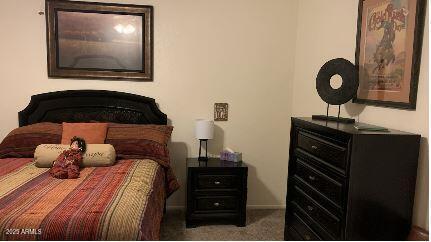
(204, 129)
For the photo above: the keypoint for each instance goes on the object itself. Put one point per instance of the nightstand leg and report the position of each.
(190, 225)
(241, 222)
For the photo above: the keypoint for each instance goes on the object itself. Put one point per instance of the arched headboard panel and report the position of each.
(91, 106)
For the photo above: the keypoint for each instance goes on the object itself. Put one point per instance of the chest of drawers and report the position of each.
(216, 192)
(344, 184)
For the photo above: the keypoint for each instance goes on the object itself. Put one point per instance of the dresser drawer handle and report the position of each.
(216, 204)
(314, 147)
(312, 178)
(217, 182)
(307, 237)
(310, 208)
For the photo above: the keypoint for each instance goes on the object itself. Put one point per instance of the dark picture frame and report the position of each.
(91, 40)
(221, 111)
(395, 87)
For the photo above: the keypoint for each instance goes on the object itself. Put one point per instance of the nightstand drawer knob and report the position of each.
(217, 182)
(216, 204)
(310, 208)
(314, 147)
(312, 178)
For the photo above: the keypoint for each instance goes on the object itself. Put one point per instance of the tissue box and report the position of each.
(229, 156)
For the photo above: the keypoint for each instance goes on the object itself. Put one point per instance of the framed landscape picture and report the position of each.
(99, 40)
(388, 51)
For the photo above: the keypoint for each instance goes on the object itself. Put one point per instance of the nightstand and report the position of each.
(216, 191)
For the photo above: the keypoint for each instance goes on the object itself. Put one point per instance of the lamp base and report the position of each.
(202, 158)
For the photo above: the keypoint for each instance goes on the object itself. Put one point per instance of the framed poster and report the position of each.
(99, 40)
(388, 51)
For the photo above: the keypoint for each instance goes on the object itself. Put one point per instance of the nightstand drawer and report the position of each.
(221, 181)
(328, 187)
(324, 149)
(216, 203)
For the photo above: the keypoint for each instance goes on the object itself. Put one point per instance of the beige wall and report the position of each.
(326, 32)
(240, 52)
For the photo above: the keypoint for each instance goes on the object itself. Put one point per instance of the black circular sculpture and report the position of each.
(348, 88)
(341, 95)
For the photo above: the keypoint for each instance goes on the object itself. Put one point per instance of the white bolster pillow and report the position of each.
(95, 155)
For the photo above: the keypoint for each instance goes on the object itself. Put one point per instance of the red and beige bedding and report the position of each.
(120, 202)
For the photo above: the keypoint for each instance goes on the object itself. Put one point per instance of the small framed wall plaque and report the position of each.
(221, 111)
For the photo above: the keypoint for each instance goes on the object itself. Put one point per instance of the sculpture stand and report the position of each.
(332, 118)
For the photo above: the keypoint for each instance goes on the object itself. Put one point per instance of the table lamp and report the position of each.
(204, 131)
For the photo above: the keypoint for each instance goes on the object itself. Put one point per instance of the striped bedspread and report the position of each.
(121, 202)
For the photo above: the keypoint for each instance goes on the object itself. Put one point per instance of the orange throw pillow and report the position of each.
(92, 133)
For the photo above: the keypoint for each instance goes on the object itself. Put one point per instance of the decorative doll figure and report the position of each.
(67, 164)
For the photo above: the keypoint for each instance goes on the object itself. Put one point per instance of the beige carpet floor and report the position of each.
(265, 224)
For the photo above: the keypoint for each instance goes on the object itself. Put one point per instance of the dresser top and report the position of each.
(213, 162)
(347, 128)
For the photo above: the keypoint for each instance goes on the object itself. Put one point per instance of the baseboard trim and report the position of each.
(266, 206)
(179, 207)
(174, 207)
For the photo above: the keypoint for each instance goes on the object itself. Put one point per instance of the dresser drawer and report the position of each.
(317, 212)
(297, 222)
(328, 187)
(216, 203)
(217, 181)
(324, 149)
(291, 234)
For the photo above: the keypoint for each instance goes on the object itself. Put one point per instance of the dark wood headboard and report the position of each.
(91, 106)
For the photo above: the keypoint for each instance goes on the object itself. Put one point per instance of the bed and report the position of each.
(121, 202)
